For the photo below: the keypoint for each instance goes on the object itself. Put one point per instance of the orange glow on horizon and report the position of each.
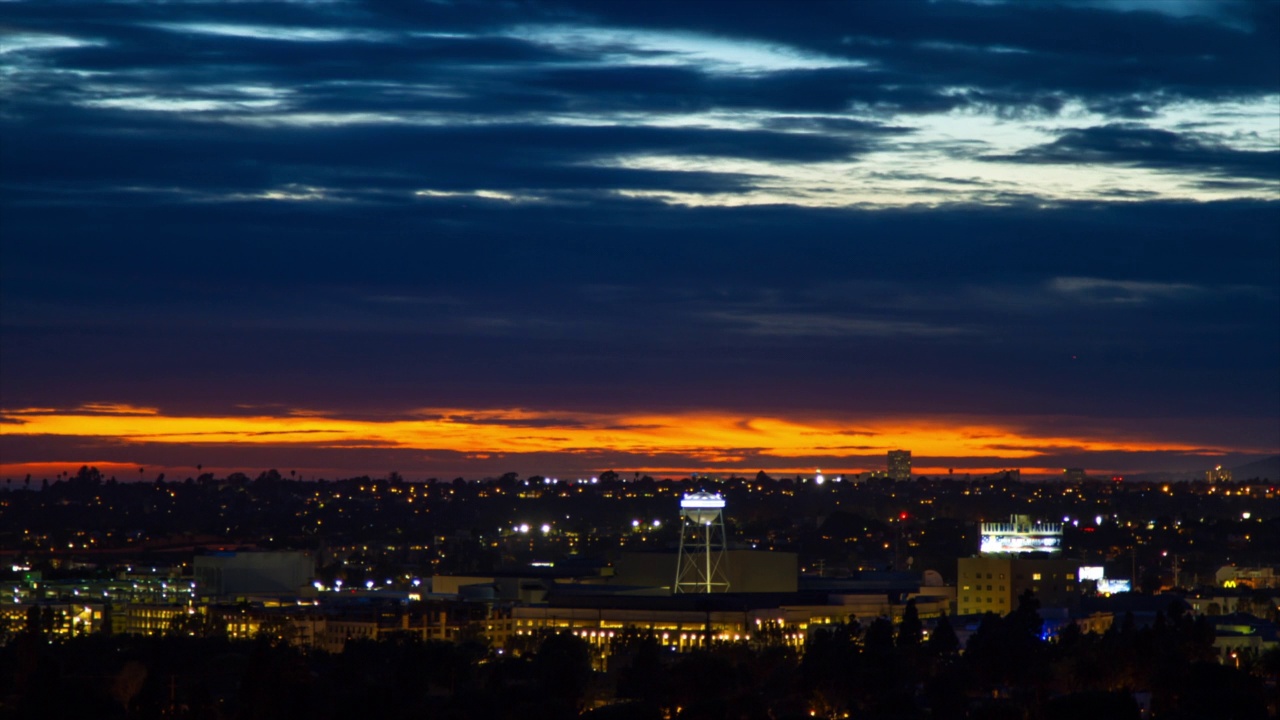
(708, 440)
(51, 469)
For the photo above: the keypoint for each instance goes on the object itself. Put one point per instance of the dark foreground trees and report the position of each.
(1009, 669)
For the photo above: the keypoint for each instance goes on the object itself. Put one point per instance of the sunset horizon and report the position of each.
(440, 442)
(558, 237)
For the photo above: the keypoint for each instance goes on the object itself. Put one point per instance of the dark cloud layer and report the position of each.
(1147, 147)
(371, 207)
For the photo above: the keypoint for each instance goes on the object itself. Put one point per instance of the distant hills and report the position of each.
(1266, 468)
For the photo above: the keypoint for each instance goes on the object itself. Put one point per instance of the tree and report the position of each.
(643, 678)
(1210, 691)
(562, 666)
(1093, 705)
(885, 679)
(86, 475)
(829, 666)
(1027, 618)
(943, 641)
(127, 683)
(33, 625)
(910, 630)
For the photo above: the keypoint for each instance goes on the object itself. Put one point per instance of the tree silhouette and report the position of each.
(943, 641)
(910, 630)
(562, 667)
(127, 683)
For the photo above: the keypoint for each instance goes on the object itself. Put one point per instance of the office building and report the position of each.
(994, 583)
(229, 574)
(1218, 474)
(900, 464)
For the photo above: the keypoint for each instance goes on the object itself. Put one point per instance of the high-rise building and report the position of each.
(1218, 474)
(900, 464)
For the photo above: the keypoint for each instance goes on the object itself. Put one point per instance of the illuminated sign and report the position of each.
(702, 500)
(1092, 572)
(1019, 544)
(1107, 586)
(1020, 535)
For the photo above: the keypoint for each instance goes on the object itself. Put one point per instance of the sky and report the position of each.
(554, 238)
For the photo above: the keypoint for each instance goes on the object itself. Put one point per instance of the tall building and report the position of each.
(900, 464)
(1218, 474)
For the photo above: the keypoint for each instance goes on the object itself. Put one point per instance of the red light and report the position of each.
(902, 516)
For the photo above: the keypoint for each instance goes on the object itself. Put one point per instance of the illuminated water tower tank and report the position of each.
(701, 566)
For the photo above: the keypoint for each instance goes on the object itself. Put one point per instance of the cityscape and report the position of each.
(621, 595)
(578, 360)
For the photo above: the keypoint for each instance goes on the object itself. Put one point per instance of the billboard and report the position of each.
(1107, 586)
(1013, 544)
(1020, 535)
(1092, 572)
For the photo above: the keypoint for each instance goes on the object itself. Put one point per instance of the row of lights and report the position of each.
(526, 528)
(368, 584)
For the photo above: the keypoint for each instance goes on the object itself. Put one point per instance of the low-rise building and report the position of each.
(994, 584)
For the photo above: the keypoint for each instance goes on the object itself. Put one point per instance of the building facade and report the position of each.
(900, 464)
(994, 583)
(228, 574)
(1218, 474)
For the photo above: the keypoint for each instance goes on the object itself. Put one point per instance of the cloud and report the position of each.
(1153, 148)
(371, 207)
(89, 408)
(1074, 49)
(801, 324)
(260, 303)
(537, 101)
(1121, 291)
(446, 441)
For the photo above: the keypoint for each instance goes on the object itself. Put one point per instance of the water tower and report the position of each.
(701, 567)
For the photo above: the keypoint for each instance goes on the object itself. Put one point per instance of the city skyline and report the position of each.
(560, 238)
